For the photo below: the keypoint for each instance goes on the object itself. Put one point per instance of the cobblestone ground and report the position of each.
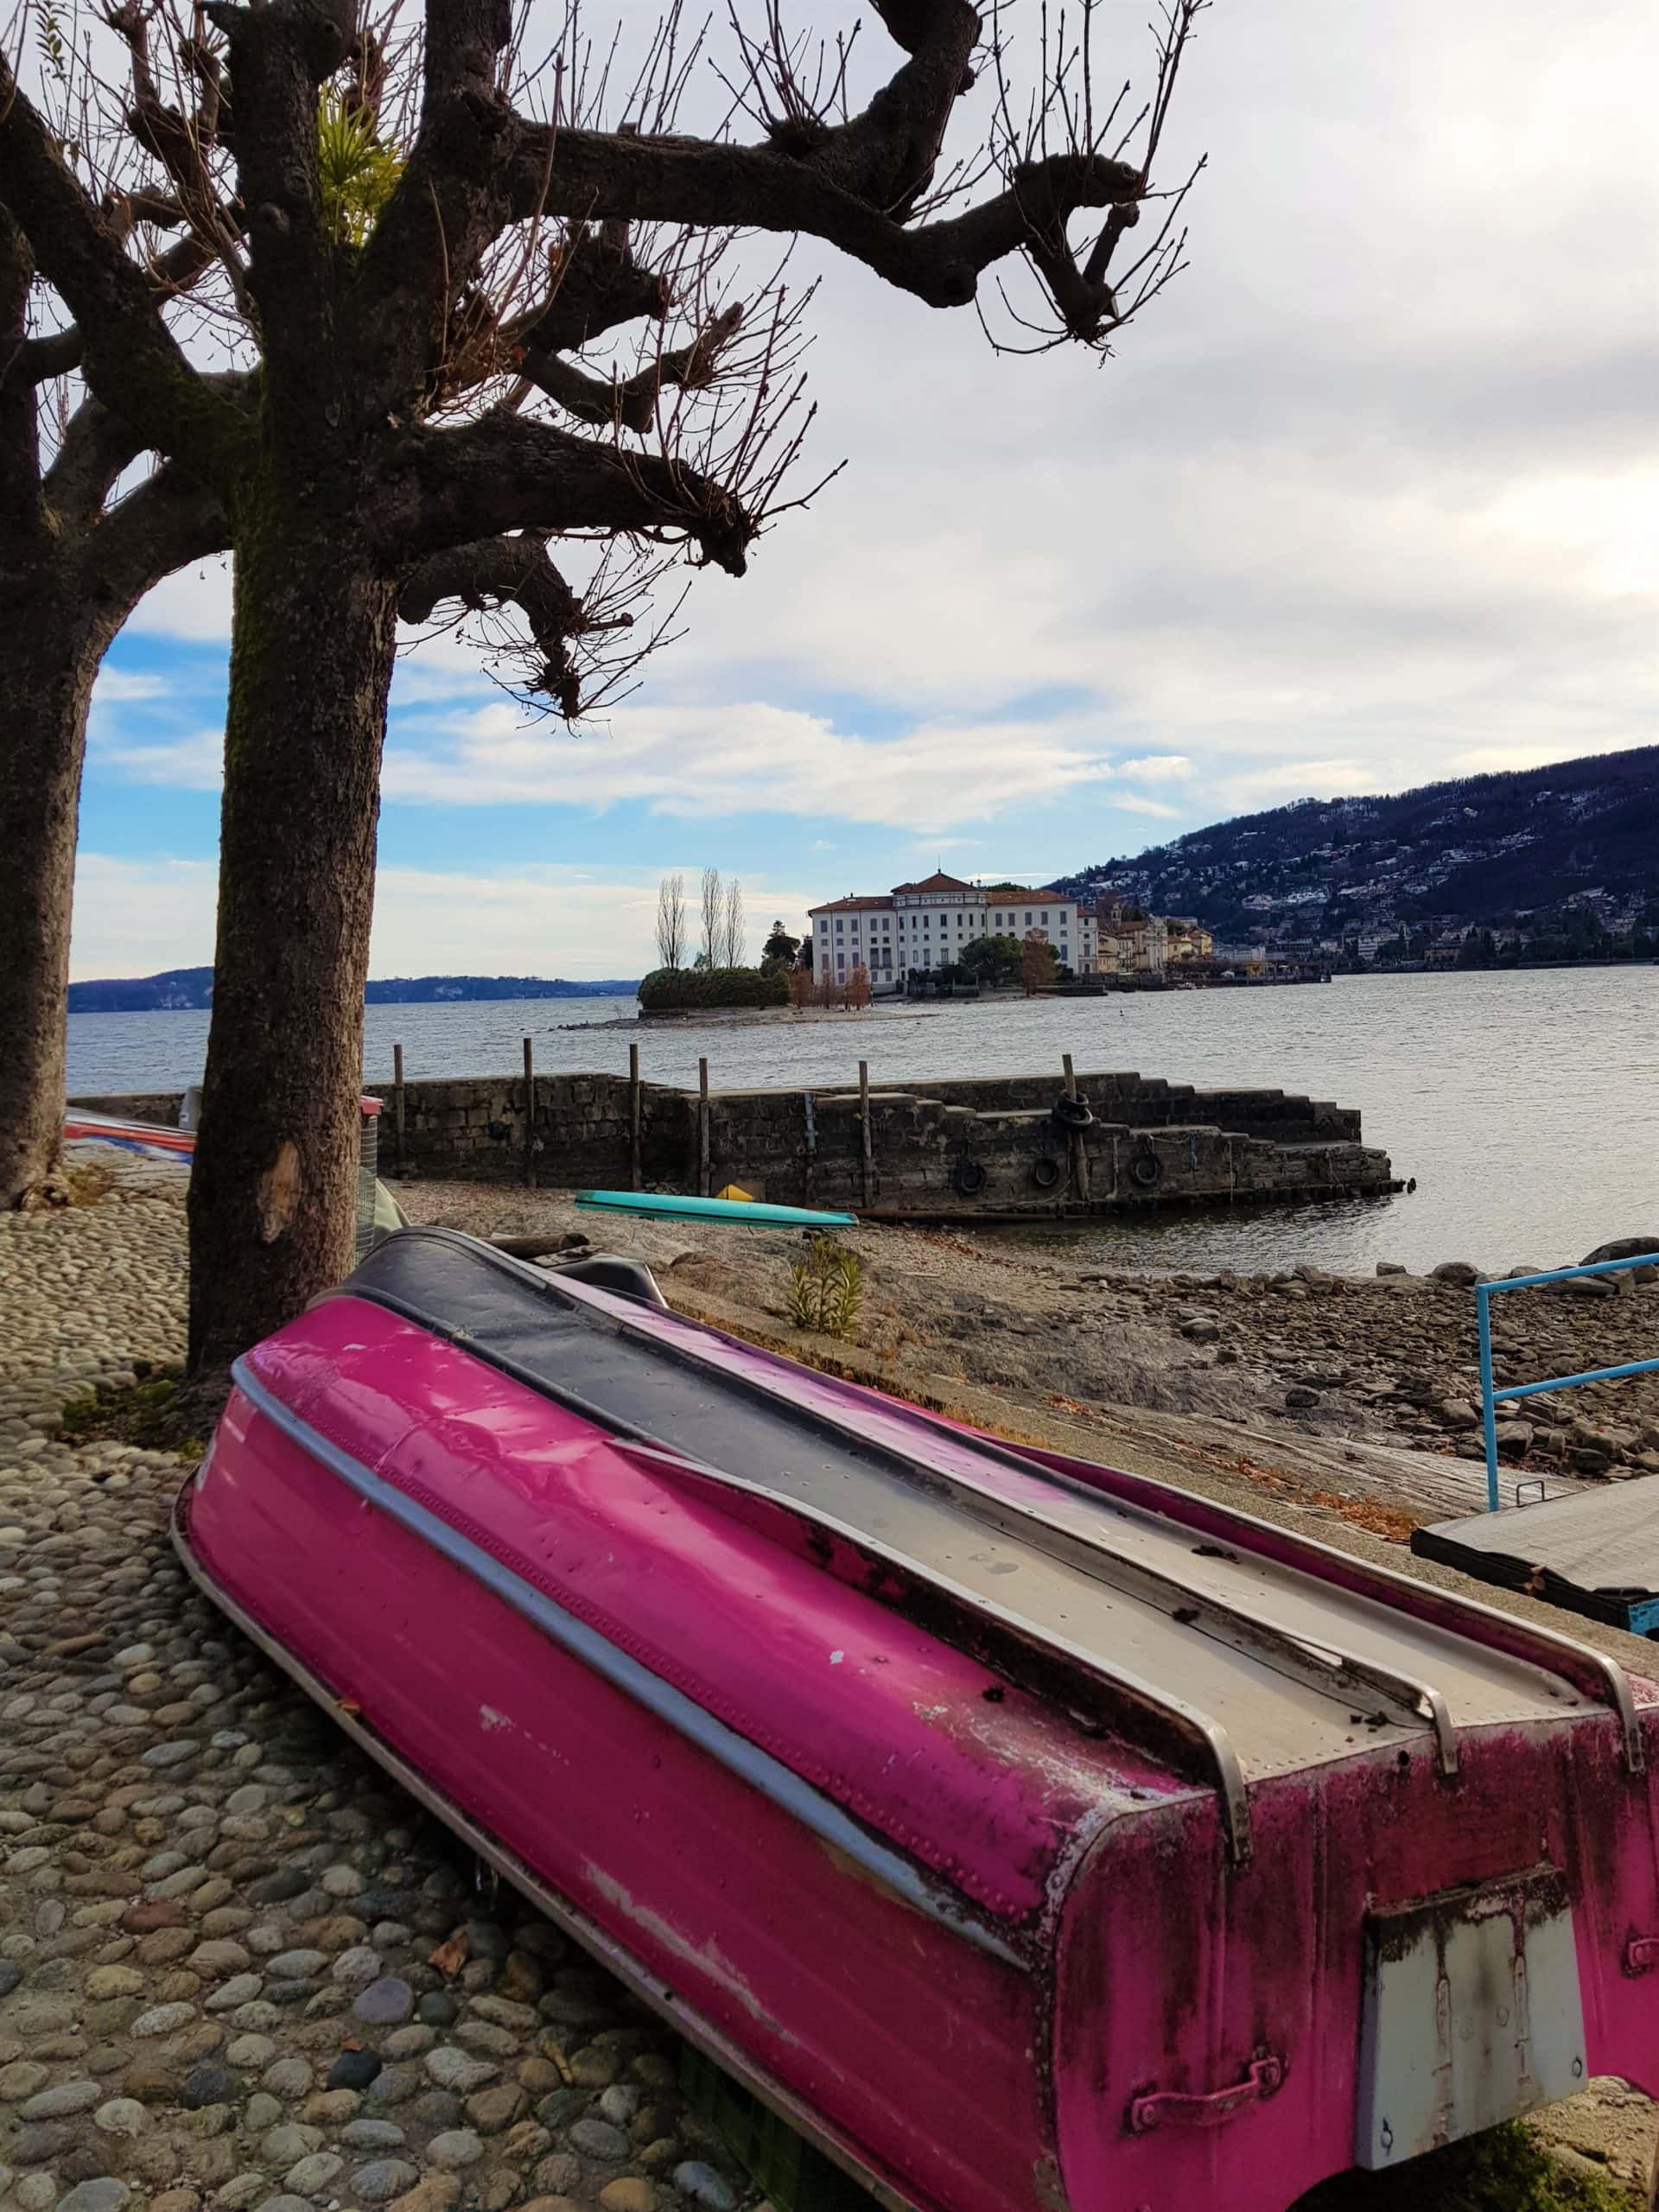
(237, 1969)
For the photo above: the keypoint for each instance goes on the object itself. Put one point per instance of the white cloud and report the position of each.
(1365, 500)
(133, 918)
(136, 917)
(126, 687)
(749, 757)
(1158, 768)
(1133, 805)
(192, 763)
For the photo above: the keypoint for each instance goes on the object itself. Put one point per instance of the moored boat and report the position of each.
(1031, 1834)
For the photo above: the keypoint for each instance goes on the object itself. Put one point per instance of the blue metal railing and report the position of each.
(1490, 1395)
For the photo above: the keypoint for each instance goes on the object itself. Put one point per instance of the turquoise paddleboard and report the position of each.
(748, 1211)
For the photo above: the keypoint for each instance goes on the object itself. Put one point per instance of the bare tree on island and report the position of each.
(670, 921)
(713, 917)
(733, 930)
(359, 454)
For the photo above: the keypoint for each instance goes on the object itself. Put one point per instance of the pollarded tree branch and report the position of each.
(509, 571)
(630, 401)
(593, 285)
(170, 520)
(128, 355)
(438, 488)
(603, 175)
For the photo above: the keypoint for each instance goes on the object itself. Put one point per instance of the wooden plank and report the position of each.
(866, 1136)
(703, 1127)
(398, 1108)
(529, 1114)
(635, 1176)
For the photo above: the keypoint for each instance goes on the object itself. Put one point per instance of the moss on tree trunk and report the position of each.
(271, 1196)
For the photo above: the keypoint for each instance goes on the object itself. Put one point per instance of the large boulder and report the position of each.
(1622, 1247)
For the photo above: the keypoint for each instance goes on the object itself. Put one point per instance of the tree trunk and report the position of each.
(271, 1194)
(46, 684)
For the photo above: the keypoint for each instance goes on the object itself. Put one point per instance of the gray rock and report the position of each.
(120, 2116)
(163, 2019)
(285, 2204)
(107, 2195)
(283, 2145)
(59, 2103)
(166, 1755)
(208, 2085)
(11, 1974)
(1457, 1271)
(1391, 1267)
(372, 2135)
(459, 2070)
(296, 1965)
(597, 2139)
(309, 2176)
(394, 2085)
(1622, 1247)
(705, 2186)
(356, 1967)
(455, 2148)
(383, 2178)
(385, 2002)
(288, 2077)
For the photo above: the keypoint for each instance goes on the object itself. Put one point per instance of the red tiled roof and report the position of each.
(850, 905)
(937, 882)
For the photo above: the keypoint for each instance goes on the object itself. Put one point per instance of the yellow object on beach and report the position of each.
(733, 1195)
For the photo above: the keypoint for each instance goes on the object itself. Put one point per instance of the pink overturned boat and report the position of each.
(1029, 1834)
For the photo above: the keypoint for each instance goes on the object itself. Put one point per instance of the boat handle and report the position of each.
(1642, 1955)
(1176, 2108)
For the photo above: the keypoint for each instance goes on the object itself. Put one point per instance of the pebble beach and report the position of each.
(238, 1971)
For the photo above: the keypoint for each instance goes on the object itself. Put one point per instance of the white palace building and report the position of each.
(926, 925)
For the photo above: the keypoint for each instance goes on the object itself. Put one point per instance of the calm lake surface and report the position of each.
(1526, 1105)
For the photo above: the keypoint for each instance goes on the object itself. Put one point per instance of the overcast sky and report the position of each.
(1368, 499)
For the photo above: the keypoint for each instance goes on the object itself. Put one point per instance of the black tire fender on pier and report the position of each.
(1072, 1113)
(968, 1178)
(1146, 1169)
(1045, 1172)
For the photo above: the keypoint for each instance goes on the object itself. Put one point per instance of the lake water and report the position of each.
(1526, 1105)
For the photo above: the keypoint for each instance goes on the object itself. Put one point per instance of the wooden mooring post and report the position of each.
(634, 1166)
(400, 1141)
(529, 1114)
(1076, 1156)
(866, 1137)
(702, 1128)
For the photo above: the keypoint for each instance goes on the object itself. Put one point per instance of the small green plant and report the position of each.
(826, 1290)
(357, 173)
(1505, 2169)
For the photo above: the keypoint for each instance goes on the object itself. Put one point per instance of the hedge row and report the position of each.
(667, 990)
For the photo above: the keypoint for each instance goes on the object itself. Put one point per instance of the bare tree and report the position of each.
(425, 228)
(733, 936)
(714, 918)
(670, 921)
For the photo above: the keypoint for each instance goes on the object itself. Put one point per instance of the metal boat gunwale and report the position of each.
(615, 1957)
(755, 1765)
(1304, 1658)
(1591, 1673)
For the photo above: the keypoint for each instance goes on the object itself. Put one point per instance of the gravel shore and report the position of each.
(238, 1971)
(1389, 1359)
